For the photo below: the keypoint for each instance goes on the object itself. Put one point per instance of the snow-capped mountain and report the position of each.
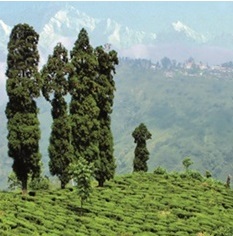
(190, 33)
(5, 31)
(64, 27)
(65, 24)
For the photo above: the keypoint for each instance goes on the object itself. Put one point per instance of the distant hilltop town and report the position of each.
(188, 68)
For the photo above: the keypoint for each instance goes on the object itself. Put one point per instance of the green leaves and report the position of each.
(55, 87)
(86, 130)
(82, 174)
(22, 60)
(106, 68)
(23, 85)
(55, 73)
(141, 135)
(187, 162)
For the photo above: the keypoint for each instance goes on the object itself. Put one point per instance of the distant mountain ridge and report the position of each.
(66, 23)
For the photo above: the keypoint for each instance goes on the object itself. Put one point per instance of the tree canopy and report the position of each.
(92, 89)
(55, 85)
(84, 111)
(23, 86)
(141, 135)
(106, 68)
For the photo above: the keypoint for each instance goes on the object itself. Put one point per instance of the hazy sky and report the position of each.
(151, 16)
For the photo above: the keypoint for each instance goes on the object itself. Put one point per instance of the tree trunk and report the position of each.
(63, 185)
(101, 183)
(24, 186)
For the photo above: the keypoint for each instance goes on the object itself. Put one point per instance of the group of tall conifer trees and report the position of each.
(79, 129)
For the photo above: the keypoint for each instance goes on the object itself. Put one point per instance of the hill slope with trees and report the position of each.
(188, 115)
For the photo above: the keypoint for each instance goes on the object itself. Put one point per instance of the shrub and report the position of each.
(208, 174)
(195, 175)
(13, 182)
(40, 183)
(183, 175)
(160, 171)
(224, 231)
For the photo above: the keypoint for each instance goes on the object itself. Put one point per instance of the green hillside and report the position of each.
(187, 116)
(140, 204)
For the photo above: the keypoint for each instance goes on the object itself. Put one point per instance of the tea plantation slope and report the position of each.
(140, 204)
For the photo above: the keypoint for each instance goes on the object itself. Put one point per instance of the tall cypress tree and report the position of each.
(106, 68)
(141, 135)
(23, 86)
(84, 111)
(54, 75)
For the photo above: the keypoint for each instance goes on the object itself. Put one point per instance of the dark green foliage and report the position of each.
(195, 175)
(92, 88)
(105, 167)
(54, 75)
(228, 182)
(55, 72)
(85, 129)
(208, 174)
(83, 107)
(141, 135)
(23, 85)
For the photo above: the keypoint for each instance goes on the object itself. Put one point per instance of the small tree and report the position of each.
(187, 162)
(141, 135)
(82, 174)
(228, 182)
(166, 63)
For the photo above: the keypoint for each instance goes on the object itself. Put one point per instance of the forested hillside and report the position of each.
(187, 116)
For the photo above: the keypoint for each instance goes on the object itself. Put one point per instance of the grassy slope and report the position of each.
(138, 204)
